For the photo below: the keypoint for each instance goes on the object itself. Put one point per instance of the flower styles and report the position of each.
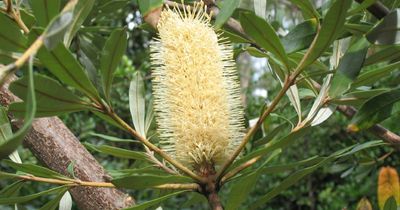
(196, 89)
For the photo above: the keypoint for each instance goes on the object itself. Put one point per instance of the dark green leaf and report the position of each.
(118, 152)
(357, 29)
(146, 205)
(390, 204)
(45, 10)
(143, 181)
(111, 56)
(331, 28)
(240, 190)
(146, 6)
(226, 11)
(81, 11)
(300, 37)
(63, 65)
(55, 32)
(349, 67)
(12, 143)
(11, 38)
(374, 75)
(376, 109)
(23, 199)
(387, 30)
(34, 170)
(264, 35)
(4, 175)
(234, 37)
(112, 6)
(6, 57)
(51, 97)
(112, 138)
(358, 97)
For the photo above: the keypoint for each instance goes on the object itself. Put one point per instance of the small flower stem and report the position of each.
(238, 169)
(154, 148)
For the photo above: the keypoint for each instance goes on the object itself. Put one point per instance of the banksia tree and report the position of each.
(196, 90)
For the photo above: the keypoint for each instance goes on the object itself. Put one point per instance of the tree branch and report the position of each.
(53, 144)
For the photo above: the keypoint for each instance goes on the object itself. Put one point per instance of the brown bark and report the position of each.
(53, 144)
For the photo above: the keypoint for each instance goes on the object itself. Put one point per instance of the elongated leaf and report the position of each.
(142, 181)
(372, 76)
(146, 205)
(387, 31)
(137, 103)
(307, 9)
(23, 199)
(12, 189)
(81, 11)
(53, 203)
(55, 32)
(300, 37)
(112, 6)
(388, 186)
(319, 101)
(45, 10)
(263, 33)
(112, 138)
(63, 65)
(118, 152)
(65, 202)
(349, 67)
(111, 55)
(12, 143)
(50, 96)
(4, 175)
(357, 98)
(6, 133)
(226, 11)
(363, 5)
(387, 54)
(11, 38)
(375, 110)
(331, 28)
(34, 170)
(146, 6)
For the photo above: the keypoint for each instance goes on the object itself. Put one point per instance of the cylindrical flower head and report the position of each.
(196, 89)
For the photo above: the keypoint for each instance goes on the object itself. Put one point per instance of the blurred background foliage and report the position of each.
(337, 186)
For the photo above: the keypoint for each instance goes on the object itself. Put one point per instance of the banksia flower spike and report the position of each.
(196, 89)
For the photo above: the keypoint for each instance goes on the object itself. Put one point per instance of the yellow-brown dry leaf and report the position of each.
(388, 185)
(364, 204)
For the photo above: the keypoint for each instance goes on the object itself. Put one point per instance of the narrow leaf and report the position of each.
(53, 203)
(307, 9)
(23, 199)
(44, 10)
(55, 32)
(146, 205)
(387, 31)
(11, 38)
(374, 75)
(117, 152)
(137, 103)
(81, 11)
(34, 170)
(226, 11)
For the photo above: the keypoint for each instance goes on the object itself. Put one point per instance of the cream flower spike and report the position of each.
(196, 89)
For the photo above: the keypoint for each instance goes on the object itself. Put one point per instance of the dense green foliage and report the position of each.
(312, 157)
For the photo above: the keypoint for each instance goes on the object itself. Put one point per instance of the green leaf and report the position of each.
(226, 11)
(143, 181)
(12, 143)
(240, 190)
(23, 199)
(12, 189)
(146, 205)
(35, 170)
(307, 9)
(331, 28)
(376, 109)
(111, 55)
(57, 28)
(358, 97)
(137, 103)
(53, 203)
(112, 138)
(11, 38)
(146, 6)
(363, 5)
(234, 37)
(44, 10)
(118, 152)
(112, 6)
(4, 175)
(389, 53)
(81, 11)
(390, 204)
(349, 67)
(387, 30)
(300, 37)
(66, 68)
(264, 35)
(52, 98)
(374, 75)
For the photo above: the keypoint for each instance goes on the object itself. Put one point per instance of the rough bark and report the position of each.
(53, 144)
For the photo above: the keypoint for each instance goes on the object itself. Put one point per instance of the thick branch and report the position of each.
(56, 147)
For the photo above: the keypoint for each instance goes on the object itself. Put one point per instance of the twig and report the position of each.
(193, 186)
(238, 169)
(150, 155)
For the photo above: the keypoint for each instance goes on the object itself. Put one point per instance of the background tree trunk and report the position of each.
(53, 144)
